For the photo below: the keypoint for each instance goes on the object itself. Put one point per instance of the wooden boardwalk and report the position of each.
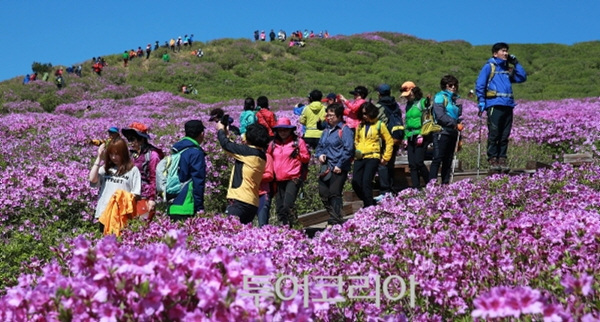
(317, 220)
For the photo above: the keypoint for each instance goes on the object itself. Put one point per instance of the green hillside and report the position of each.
(235, 68)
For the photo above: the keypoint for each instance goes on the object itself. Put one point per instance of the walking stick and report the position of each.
(454, 160)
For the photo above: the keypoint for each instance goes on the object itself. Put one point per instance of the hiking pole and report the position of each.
(454, 159)
(479, 149)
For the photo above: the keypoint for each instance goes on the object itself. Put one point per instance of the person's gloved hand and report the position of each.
(512, 59)
(482, 108)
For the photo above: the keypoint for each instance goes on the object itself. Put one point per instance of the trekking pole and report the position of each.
(454, 159)
(479, 150)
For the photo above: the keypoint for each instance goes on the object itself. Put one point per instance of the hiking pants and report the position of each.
(264, 209)
(362, 179)
(242, 210)
(386, 174)
(287, 191)
(443, 153)
(499, 124)
(416, 162)
(330, 192)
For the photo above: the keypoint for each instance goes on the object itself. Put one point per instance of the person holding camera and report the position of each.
(218, 115)
(495, 95)
(290, 154)
(247, 172)
(335, 152)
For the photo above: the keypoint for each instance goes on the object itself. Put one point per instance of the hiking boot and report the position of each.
(503, 165)
(494, 166)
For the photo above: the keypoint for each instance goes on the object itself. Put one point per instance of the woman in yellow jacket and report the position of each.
(368, 141)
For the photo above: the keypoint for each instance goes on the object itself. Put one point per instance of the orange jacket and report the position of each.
(118, 211)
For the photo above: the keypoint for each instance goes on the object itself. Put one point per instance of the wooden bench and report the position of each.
(578, 159)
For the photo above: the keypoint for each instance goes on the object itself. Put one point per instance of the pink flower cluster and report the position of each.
(534, 233)
(161, 281)
(456, 242)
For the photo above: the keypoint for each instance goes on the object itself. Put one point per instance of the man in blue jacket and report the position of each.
(494, 94)
(192, 167)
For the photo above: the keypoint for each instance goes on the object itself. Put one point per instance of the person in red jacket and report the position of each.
(289, 153)
(264, 116)
(353, 106)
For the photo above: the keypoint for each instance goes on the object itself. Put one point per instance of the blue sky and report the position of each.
(70, 32)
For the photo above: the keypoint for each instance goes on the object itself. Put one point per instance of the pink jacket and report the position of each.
(351, 112)
(284, 166)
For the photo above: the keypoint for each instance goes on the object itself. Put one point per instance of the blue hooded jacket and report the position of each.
(192, 164)
(501, 82)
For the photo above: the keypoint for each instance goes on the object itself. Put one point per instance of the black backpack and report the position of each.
(394, 123)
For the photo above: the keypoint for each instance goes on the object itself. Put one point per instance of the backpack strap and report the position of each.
(492, 73)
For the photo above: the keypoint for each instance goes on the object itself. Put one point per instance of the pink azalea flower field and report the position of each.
(520, 247)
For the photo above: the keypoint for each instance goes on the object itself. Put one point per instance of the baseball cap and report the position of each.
(406, 88)
(384, 89)
(330, 96)
(113, 129)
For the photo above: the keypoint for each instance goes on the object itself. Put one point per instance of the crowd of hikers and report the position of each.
(360, 135)
(98, 63)
(297, 37)
(174, 45)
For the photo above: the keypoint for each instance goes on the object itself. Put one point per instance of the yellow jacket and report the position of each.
(371, 144)
(118, 211)
(312, 114)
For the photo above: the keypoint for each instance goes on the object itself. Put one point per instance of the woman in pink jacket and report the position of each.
(290, 159)
(353, 106)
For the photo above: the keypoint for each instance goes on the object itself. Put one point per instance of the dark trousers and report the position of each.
(500, 119)
(330, 192)
(443, 152)
(416, 162)
(312, 143)
(264, 208)
(362, 179)
(287, 191)
(386, 173)
(242, 210)
(180, 217)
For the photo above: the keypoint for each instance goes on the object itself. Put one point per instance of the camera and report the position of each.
(225, 120)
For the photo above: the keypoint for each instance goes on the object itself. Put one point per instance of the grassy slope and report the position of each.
(235, 68)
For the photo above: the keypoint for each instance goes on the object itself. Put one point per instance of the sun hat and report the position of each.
(360, 90)
(136, 129)
(406, 88)
(284, 123)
